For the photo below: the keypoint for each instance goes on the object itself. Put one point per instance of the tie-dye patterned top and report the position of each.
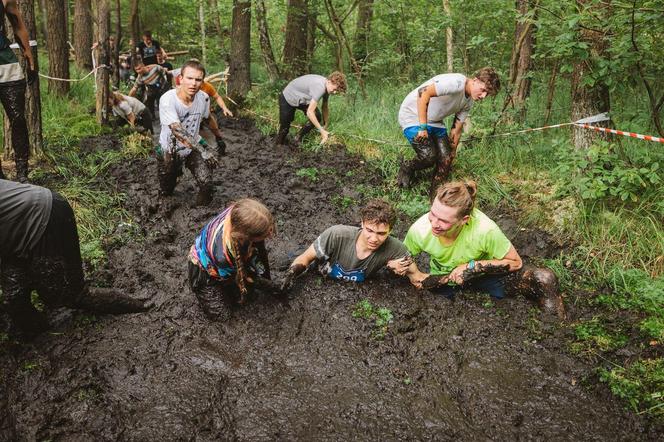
(212, 249)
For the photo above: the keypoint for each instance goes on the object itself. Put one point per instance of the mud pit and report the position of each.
(297, 368)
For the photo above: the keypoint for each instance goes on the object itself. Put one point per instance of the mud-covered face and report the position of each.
(374, 234)
(191, 80)
(444, 218)
(477, 90)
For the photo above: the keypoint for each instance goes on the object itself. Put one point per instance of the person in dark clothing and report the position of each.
(40, 251)
(149, 48)
(12, 85)
(223, 260)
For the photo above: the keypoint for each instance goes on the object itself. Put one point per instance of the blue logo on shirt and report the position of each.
(338, 272)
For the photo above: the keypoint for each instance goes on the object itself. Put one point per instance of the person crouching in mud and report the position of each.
(40, 251)
(181, 112)
(223, 260)
(349, 253)
(468, 251)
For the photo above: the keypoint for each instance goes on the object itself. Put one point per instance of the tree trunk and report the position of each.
(551, 89)
(588, 100)
(103, 58)
(118, 43)
(32, 96)
(364, 17)
(83, 34)
(201, 22)
(58, 51)
(239, 81)
(44, 15)
(294, 57)
(221, 33)
(264, 38)
(522, 52)
(311, 36)
(449, 37)
(135, 26)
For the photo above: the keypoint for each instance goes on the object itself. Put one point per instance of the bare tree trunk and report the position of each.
(239, 82)
(294, 57)
(42, 12)
(264, 38)
(364, 17)
(32, 96)
(135, 26)
(551, 90)
(522, 52)
(83, 34)
(311, 36)
(103, 57)
(201, 22)
(449, 37)
(58, 51)
(118, 42)
(221, 34)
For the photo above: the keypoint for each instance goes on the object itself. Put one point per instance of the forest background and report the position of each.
(600, 196)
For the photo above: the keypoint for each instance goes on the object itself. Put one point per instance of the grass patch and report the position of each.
(381, 317)
(641, 384)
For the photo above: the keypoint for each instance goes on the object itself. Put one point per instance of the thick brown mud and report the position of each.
(301, 367)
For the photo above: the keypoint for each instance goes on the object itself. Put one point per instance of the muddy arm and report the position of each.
(21, 32)
(299, 265)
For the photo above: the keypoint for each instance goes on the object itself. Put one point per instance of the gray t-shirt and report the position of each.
(24, 213)
(450, 100)
(335, 249)
(172, 110)
(305, 89)
(128, 106)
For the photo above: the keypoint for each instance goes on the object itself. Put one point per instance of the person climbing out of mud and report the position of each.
(224, 260)
(149, 49)
(13, 84)
(130, 110)
(350, 253)
(181, 112)
(40, 251)
(212, 124)
(422, 115)
(468, 251)
(304, 93)
(152, 79)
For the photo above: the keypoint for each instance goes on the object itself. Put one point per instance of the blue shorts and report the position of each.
(411, 132)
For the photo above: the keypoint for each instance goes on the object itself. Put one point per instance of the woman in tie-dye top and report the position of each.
(223, 259)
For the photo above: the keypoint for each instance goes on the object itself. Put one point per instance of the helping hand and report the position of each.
(422, 136)
(400, 266)
(324, 135)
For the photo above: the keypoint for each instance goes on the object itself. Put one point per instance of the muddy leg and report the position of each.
(24, 318)
(13, 100)
(286, 116)
(168, 165)
(203, 176)
(444, 157)
(539, 285)
(209, 293)
(425, 158)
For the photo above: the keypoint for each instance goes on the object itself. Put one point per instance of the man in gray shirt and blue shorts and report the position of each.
(304, 93)
(422, 115)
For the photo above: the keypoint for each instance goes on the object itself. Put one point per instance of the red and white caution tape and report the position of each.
(620, 132)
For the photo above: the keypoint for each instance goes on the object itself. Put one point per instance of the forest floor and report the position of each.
(300, 367)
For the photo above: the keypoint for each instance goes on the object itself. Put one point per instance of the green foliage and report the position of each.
(641, 384)
(381, 316)
(309, 172)
(592, 335)
(602, 172)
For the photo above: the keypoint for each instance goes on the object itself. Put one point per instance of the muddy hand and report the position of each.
(32, 76)
(434, 281)
(400, 266)
(293, 272)
(422, 136)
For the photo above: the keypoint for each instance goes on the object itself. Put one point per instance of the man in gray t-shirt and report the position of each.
(304, 93)
(348, 253)
(422, 115)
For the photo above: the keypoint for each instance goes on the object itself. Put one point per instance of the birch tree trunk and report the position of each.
(201, 21)
(449, 37)
(103, 58)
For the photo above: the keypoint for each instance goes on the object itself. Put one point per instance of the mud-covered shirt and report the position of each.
(335, 250)
(450, 100)
(24, 214)
(480, 238)
(305, 89)
(172, 110)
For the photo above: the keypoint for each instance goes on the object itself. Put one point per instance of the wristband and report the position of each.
(471, 264)
(423, 126)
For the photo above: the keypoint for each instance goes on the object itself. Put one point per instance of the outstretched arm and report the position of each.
(182, 136)
(311, 114)
(298, 267)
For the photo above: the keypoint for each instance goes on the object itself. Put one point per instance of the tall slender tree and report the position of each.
(201, 24)
(449, 37)
(264, 39)
(294, 56)
(364, 17)
(522, 52)
(116, 47)
(103, 58)
(135, 25)
(58, 51)
(239, 81)
(83, 34)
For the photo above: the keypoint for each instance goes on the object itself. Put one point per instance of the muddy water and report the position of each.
(295, 368)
